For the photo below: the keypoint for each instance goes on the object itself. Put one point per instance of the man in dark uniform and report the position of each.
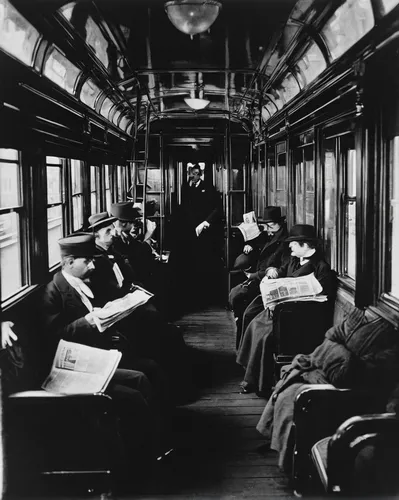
(270, 248)
(68, 313)
(199, 238)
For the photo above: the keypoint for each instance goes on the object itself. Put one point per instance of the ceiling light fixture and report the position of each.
(196, 100)
(192, 16)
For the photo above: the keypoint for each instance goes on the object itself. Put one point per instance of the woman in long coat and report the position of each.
(255, 353)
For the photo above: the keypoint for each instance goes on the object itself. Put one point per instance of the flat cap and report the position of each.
(78, 245)
(102, 219)
(125, 211)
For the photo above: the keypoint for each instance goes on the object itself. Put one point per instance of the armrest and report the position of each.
(353, 436)
(34, 400)
(318, 411)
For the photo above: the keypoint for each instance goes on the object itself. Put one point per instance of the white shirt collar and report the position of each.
(78, 284)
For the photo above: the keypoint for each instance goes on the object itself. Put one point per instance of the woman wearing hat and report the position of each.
(255, 352)
(271, 253)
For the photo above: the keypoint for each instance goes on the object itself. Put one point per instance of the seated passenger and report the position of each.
(270, 250)
(138, 253)
(146, 331)
(255, 352)
(356, 354)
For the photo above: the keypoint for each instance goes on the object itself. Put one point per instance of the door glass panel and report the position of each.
(330, 202)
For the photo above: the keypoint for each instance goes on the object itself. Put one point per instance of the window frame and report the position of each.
(23, 223)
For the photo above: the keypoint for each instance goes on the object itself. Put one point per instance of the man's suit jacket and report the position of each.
(63, 314)
(273, 253)
(200, 203)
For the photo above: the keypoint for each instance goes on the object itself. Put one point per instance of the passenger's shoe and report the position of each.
(246, 388)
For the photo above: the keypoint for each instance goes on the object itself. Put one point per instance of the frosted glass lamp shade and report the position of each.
(192, 16)
(196, 103)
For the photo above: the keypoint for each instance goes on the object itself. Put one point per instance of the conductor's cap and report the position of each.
(78, 245)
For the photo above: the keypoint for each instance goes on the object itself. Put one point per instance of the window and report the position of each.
(311, 64)
(350, 22)
(77, 194)
(95, 200)
(17, 37)
(89, 93)
(393, 228)
(281, 176)
(340, 218)
(121, 181)
(55, 206)
(62, 72)
(389, 4)
(97, 41)
(304, 185)
(107, 182)
(12, 219)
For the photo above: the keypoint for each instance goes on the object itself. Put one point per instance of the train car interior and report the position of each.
(199, 219)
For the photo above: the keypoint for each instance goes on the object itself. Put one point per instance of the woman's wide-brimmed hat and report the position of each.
(271, 214)
(302, 232)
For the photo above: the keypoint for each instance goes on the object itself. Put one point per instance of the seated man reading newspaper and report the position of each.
(255, 352)
(69, 311)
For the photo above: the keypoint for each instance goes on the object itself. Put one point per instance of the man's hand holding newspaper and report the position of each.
(303, 288)
(118, 309)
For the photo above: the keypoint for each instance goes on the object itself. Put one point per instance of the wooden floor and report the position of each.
(215, 436)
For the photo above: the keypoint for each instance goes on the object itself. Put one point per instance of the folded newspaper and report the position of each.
(249, 228)
(80, 369)
(118, 309)
(303, 288)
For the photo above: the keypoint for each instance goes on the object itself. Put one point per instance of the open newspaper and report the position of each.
(80, 369)
(249, 228)
(118, 309)
(303, 288)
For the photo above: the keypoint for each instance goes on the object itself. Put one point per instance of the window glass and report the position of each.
(350, 214)
(272, 179)
(67, 10)
(312, 64)
(289, 87)
(17, 37)
(271, 108)
(393, 237)
(11, 245)
(330, 202)
(55, 232)
(106, 107)
(97, 41)
(77, 194)
(54, 184)
(116, 116)
(10, 185)
(123, 123)
(129, 129)
(281, 183)
(10, 254)
(350, 22)
(55, 205)
(89, 93)
(108, 196)
(95, 189)
(62, 72)
(389, 4)
(299, 168)
(309, 185)
(121, 183)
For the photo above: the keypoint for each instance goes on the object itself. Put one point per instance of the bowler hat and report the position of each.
(102, 219)
(125, 211)
(302, 232)
(271, 214)
(78, 245)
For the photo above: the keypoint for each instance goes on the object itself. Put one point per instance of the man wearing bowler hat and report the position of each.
(255, 353)
(137, 252)
(270, 250)
(67, 310)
